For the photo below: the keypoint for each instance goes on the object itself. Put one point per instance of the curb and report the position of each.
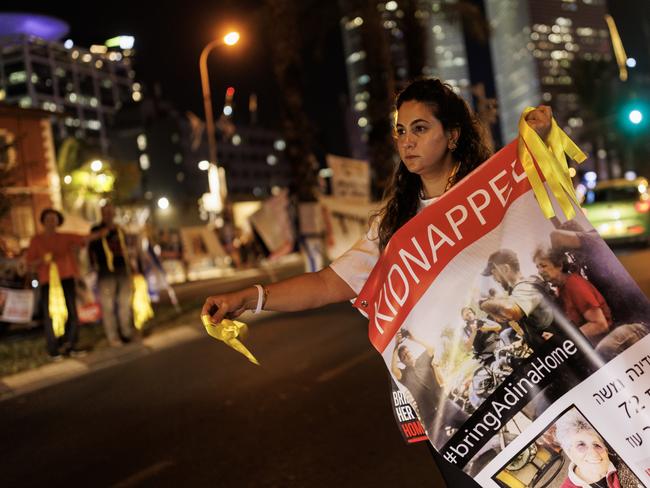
(51, 374)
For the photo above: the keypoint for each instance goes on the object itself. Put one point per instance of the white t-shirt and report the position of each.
(355, 265)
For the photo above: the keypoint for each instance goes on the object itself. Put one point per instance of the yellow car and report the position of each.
(620, 210)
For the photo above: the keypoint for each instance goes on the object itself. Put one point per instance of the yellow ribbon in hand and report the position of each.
(56, 299)
(140, 302)
(109, 254)
(227, 331)
(552, 163)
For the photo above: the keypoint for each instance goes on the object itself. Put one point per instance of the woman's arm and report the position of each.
(596, 323)
(303, 292)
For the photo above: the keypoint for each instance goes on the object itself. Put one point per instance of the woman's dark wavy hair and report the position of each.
(403, 192)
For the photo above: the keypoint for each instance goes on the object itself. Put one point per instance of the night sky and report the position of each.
(170, 35)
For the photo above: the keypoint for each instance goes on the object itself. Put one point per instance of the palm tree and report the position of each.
(287, 33)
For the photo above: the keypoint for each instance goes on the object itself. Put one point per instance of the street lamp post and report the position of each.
(214, 198)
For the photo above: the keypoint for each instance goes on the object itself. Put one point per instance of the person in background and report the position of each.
(60, 248)
(110, 257)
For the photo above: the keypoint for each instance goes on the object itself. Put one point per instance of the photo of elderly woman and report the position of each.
(569, 454)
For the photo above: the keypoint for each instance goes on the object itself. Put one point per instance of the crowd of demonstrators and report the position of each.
(115, 264)
(439, 142)
(60, 248)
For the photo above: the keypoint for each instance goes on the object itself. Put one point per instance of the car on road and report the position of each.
(619, 209)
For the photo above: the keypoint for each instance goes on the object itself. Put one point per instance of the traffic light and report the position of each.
(634, 116)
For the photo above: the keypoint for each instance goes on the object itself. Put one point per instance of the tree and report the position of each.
(286, 34)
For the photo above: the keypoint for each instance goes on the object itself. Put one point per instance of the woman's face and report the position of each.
(50, 221)
(421, 140)
(589, 454)
(548, 271)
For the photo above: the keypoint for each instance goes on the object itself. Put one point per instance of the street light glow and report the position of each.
(204, 165)
(231, 38)
(163, 203)
(96, 165)
(635, 116)
(630, 62)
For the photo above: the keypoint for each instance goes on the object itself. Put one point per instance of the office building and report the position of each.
(84, 87)
(534, 46)
(443, 42)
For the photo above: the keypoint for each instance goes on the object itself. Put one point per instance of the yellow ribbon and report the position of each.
(227, 331)
(552, 163)
(141, 302)
(56, 299)
(109, 254)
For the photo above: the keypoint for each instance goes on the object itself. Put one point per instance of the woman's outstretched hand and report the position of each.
(229, 305)
(540, 120)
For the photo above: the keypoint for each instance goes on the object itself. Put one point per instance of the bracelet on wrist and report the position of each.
(262, 295)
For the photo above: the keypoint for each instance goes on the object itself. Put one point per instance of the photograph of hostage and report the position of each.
(584, 305)
(422, 377)
(570, 453)
(590, 461)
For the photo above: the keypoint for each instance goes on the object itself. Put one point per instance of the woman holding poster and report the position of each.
(439, 142)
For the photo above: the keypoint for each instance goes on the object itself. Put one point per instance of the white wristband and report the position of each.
(260, 298)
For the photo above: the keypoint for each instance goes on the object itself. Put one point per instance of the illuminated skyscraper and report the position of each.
(441, 40)
(534, 45)
(84, 87)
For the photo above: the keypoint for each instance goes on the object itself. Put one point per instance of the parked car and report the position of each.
(620, 210)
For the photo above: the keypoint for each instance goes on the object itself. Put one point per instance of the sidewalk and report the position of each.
(53, 373)
(168, 328)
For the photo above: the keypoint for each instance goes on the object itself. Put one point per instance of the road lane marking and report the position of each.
(140, 476)
(345, 366)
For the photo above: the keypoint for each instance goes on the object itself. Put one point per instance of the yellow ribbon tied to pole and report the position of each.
(228, 331)
(552, 164)
(56, 299)
(141, 302)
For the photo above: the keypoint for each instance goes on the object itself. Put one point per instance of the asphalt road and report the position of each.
(637, 263)
(315, 414)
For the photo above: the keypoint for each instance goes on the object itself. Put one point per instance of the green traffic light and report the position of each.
(635, 116)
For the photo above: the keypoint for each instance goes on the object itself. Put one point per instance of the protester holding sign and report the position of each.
(53, 254)
(439, 142)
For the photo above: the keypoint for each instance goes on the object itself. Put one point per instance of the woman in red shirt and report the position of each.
(59, 248)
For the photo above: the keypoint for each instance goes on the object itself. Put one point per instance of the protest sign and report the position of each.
(16, 306)
(514, 336)
(350, 178)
